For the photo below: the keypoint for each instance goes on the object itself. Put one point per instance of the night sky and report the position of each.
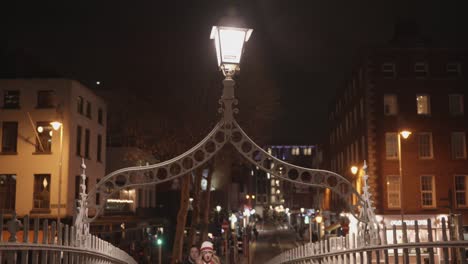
(157, 47)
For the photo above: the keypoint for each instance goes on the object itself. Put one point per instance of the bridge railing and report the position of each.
(49, 243)
(449, 247)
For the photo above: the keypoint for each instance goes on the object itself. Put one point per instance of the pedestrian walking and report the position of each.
(193, 256)
(207, 255)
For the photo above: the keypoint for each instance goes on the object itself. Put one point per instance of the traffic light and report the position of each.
(159, 241)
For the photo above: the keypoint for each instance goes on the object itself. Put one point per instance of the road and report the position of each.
(272, 240)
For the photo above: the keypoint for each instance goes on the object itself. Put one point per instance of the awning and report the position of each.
(332, 227)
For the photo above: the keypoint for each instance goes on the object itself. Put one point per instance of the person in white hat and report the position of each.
(207, 254)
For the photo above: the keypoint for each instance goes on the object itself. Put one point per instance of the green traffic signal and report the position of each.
(159, 242)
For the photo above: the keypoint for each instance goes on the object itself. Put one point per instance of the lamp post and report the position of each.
(56, 125)
(405, 134)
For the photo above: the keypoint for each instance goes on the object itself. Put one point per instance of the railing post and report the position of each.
(405, 240)
(45, 240)
(385, 242)
(418, 250)
(462, 250)
(395, 251)
(444, 238)
(35, 254)
(24, 254)
(429, 237)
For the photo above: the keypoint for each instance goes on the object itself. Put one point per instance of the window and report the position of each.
(100, 116)
(390, 104)
(99, 148)
(391, 145)
(46, 99)
(88, 109)
(80, 105)
(458, 142)
(427, 191)
(87, 138)
(460, 190)
(453, 69)
(7, 192)
(79, 132)
(425, 146)
(11, 99)
(44, 133)
(388, 70)
(393, 191)
(9, 137)
(456, 106)
(421, 69)
(41, 191)
(423, 104)
(98, 195)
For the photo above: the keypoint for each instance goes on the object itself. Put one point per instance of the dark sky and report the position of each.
(307, 45)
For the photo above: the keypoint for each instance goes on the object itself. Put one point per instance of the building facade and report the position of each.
(34, 166)
(405, 86)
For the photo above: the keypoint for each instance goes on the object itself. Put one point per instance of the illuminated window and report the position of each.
(390, 104)
(425, 145)
(427, 191)
(44, 139)
(41, 191)
(393, 191)
(11, 99)
(423, 104)
(391, 145)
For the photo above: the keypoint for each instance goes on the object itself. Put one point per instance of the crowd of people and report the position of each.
(204, 255)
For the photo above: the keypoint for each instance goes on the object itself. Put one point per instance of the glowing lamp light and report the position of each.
(218, 208)
(319, 219)
(405, 134)
(159, 241)
(229, 44)
(40, 129)
(45, 183)
(253, 197)
(302, 210)
(56, 125)
(247, 197)
(354, 170)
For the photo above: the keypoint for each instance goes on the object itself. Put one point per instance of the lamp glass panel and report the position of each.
(217, 45)
(232, 41)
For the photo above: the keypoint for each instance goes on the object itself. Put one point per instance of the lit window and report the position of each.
(391, 145)
(44, 137)
(460, 190)
(41, 192)
(423, 104)
(393, 191)
(458, 143)
(427, 191)
(456, 104)
(388, 70)
(390, 104)
(425, 145)
(421, 69)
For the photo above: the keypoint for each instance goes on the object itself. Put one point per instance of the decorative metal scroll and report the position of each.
(157, 173)
(227, 130)
(296, 174)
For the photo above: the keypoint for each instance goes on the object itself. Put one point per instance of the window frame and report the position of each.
(461, 103)
(45, 135)
(452, 144)
(421, 73)
(464, 191)
(80, 105)
(40, 100)
(396, 192)
(431, 146)
(87, 143)
(432, 192)
(4, 139)
(40, 183)
(456, 71)
(396, 156)
(395, 106)
(8, 188)
(389, 72)
(79, 135)
(11, 106)
(428, 113)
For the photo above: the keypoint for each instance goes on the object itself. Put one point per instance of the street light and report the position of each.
(229, 43)
(402, 134)
(354, 170)
(56, 125)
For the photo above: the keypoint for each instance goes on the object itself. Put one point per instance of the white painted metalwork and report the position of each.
(54, 244)
(348, 249)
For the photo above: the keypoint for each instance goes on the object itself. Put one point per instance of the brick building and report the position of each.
(411, 85)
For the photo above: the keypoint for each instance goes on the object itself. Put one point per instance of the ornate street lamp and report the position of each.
(229, 43)
(56, 125)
